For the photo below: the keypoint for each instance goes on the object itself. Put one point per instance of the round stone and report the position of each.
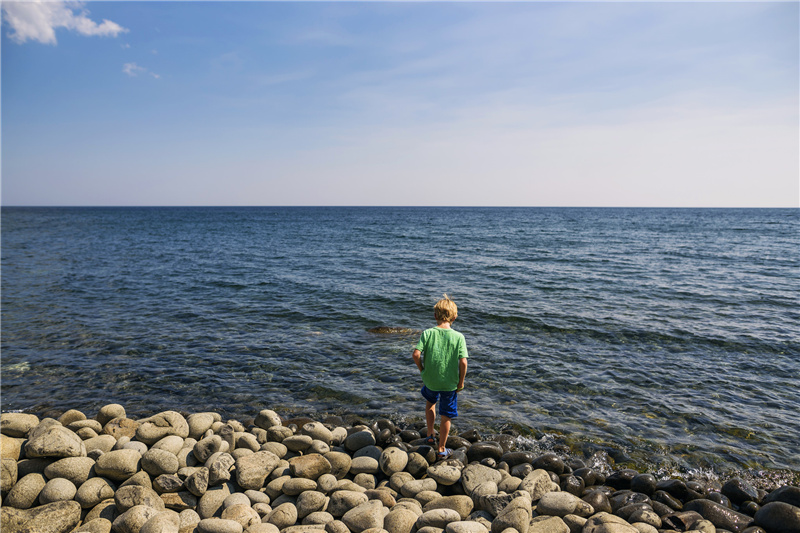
(94, 491)
(156, 462)
(365, 516)
(109, 412)
(118, 465)
(57, 490)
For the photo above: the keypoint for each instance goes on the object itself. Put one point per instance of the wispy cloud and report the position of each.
(37, 20)
(133, 70)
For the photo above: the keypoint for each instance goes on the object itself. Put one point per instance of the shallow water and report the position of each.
(668, 337)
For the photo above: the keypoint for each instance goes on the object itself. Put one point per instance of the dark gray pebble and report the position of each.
(779, 517)
(719, 515)
(739, 491)
(644, 483)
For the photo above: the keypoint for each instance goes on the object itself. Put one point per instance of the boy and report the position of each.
(443, 369)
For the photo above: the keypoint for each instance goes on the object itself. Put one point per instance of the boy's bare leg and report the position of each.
(444, 431)
(430, 417)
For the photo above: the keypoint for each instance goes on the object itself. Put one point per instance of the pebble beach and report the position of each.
(181, 472)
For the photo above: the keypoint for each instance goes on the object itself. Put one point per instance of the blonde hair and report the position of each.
(445, 310)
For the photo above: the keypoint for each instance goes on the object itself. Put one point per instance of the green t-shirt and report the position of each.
(441, 349)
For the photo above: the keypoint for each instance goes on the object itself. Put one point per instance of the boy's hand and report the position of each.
(460, 388)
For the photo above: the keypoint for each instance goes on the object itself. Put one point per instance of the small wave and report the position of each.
(22, 366)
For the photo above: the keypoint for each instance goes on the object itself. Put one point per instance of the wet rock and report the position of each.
(118, 465)
(667, 499)
(621, 479)
(58, 517)
(550, 462)
(644, 483)
(513, 459)
(779, 517)
(572, 484)
(646, 516)
(739, 491)
(721, 517)
(788, 494)
(359, 439)
(681, 521)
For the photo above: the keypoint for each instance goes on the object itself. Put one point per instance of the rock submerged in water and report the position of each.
(167, 473)
(387, 330)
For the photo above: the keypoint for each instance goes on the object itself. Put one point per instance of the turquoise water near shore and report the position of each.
(667, 338)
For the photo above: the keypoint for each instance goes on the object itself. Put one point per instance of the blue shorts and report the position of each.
(448, 401)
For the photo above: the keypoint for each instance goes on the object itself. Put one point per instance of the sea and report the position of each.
(666, 340)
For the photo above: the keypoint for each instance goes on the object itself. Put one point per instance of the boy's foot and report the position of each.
(430, 441)
(445, 454)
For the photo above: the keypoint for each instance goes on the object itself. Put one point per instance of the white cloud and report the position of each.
(37, 20)
(133, 70)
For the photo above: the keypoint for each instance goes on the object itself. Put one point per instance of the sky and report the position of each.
(401, 103)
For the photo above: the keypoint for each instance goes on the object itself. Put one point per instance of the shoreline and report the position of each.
(189, 466)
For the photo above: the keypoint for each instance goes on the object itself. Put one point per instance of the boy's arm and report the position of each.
(462, 372)
(417, 355)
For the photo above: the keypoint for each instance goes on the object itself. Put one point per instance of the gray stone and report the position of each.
(57, 517)
(646, 516)
(118, 465)
(199, 423)
(445, 473)
(105, 509)
(189, 520)
(309, 466)
(25, 492)
(140, 447)
(410, 489)
(141, 478)
(163, 522)
(11, 447)
(166, 483)
(278, 433)
(297, 443)
(438, 518)
(787, 494)
(218, 525)
(109, 412)
(157, 462)
(98, 525)
(466, 527)
(779, 517)
(337, 526)
(282, 516)
(364, 465)
(75, 469)
(57, 490)
(461, 504)
(607, 523)
(197, 482)
(94, 491)
(318, 518)
(575, 523)
(247, 441)
(317, 431)
(208, 446)
(103, 443)
(548, 524)
(219, 468)
(132, 520)
(121, 427)
(400, 520)
(340, 463)
(365, 516)
(327, 483)
(427, 496)
(393, 460)
(344, 500)
(8, 473)
(171, 443)
(275, 447)
(70, 416)
(296, 486)
(647, 528)
(358, 440)
(311, 501)
(562, 504)
(263, 528)
(132, 495)
(267, 419)
(475, 474)
(17, 424)
(516, 515)
(242, 513)
(252, 470)
(179, 501)
(155, 428)
(51, 439)
(537, 483)
(210, 502)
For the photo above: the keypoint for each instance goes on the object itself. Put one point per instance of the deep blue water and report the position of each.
(669, 337)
